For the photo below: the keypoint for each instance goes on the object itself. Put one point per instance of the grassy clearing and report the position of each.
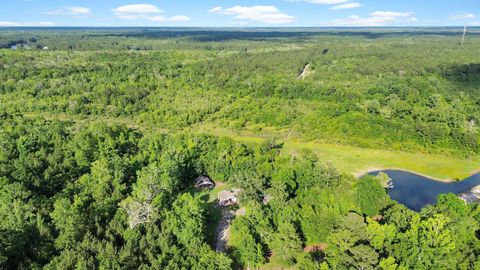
(348, 159)
(357, 160)
(275, 266)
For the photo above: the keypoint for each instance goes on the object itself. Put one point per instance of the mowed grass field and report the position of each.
(358, 161)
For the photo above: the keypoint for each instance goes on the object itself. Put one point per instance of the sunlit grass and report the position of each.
(357, 160)
(348, 159)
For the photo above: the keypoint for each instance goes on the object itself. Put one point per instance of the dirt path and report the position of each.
(223, 230)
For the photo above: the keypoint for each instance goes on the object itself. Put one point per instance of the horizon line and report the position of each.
(241, 27)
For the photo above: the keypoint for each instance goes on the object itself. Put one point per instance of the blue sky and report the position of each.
(231, 13)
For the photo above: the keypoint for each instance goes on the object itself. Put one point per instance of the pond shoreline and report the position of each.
(362, 173)
(415, 191)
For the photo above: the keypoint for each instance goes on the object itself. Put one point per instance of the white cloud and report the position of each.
(462, 16)
(136, 11)
(7, 23)
(392, 14)
(377, 18)
(70, 11)
(215, 9)
(326, 2)
(263, 14)
(347, 6)
(147, 12)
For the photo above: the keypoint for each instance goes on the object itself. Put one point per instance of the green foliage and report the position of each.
(381, 236)
(452, 204)
(394, 91)
(371, 196)
(245, 244)
(286, 244)
(427, 244)
(186, 220)
(100, 144)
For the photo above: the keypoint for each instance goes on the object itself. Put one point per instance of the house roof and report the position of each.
(225, 194)
(203, 178)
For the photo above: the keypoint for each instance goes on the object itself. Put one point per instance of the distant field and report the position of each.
(360, 160)
(377, 98)
(348, 159)
(357, 160)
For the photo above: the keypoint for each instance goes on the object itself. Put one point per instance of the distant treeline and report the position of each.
(415, 93)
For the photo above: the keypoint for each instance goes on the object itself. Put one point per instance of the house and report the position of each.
(204, 182)
(228, 197)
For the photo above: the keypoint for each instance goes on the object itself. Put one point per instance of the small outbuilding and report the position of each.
(228, 197)
(204, 182)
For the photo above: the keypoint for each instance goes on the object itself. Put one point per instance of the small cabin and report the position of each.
(204, 182)
(228, 197)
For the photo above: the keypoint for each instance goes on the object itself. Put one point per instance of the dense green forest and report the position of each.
(68, 194)
(104, 131)
(411, 92)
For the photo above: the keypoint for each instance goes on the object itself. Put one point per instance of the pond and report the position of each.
(416, 191)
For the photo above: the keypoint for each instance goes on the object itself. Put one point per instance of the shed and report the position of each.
(204, 182)
(228, 197)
